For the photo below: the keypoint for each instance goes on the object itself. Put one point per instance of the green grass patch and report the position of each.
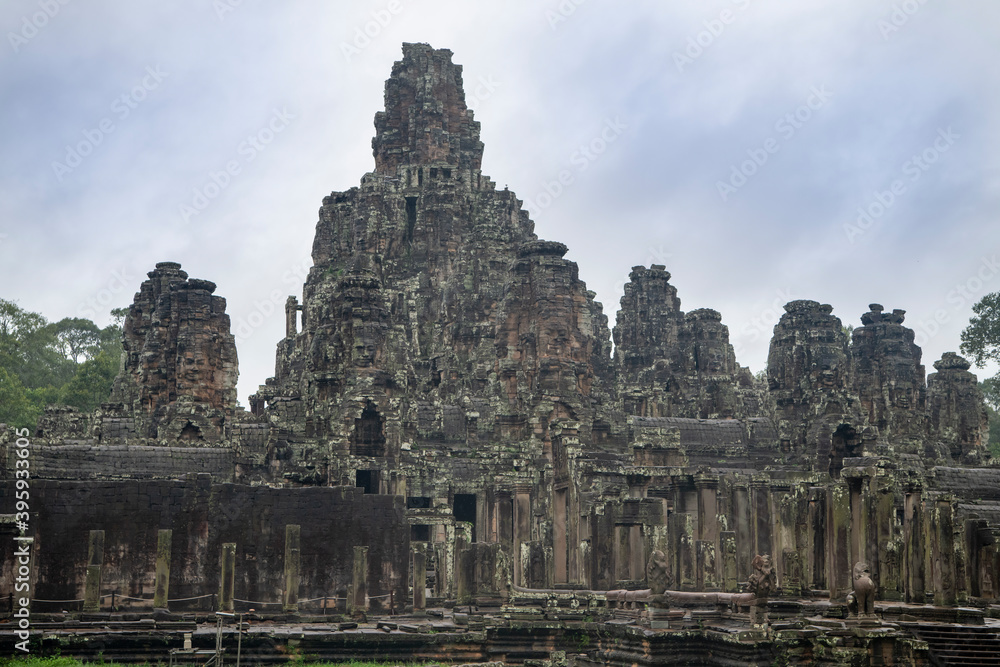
(71, 662)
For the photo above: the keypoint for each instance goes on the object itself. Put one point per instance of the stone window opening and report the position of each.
(191, 433)
(464, 509)
(369, 433)
(367, 480)
(845, 443)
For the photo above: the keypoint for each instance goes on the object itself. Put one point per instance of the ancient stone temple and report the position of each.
(449, 427)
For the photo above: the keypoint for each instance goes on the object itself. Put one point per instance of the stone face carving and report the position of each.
(862, 601)
(180, 367)
(958, 419)
(670, 364)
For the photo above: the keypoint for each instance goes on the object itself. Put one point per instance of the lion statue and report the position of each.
(862, 601)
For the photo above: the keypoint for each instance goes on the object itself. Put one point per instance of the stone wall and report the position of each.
(203, 516)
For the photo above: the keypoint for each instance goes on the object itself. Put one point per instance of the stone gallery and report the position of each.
(457, 459)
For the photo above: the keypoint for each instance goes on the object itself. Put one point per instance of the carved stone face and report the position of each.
(862, 570)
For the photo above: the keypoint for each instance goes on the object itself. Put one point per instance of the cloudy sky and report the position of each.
(763, 150)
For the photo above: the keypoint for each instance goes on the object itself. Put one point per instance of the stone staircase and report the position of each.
(959, 644)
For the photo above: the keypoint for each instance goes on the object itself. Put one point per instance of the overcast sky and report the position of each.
(732, 141)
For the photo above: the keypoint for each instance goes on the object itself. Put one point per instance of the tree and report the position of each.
(72, 361)
(981, 339)
(16, 407)
(76, 337)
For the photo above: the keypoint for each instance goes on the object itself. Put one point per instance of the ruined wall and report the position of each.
(203, 516)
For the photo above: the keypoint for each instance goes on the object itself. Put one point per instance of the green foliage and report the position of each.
(981, 339)
(72, 362)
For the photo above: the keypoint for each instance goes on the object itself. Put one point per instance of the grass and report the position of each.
(71, 662)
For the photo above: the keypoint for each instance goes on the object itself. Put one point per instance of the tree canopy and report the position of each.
(72, 361)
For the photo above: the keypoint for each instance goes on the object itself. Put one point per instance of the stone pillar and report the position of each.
(95, 563)
(227, 576)
(686, 558)
(465, 575)
(708, 528)
(838, 554)
(817, 530)
(944, 579)
(744, 534)
(705, 571)
(358, 602)
(913, 557)
(522, 531)
(887, 547)
(293, 534)
(760, 512)
(440, 561)
(730, 577)
(419, 578)
(291, 313)
(162, 592)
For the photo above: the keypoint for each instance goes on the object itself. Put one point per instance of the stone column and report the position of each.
(760, 513)
(162, 592)
(887, 547)
(687, 577)
(293, 534)
(914, 547)
(522, 531)
(359, 585)
(817, 530)
(944, 579)
(730, 578)
(838, 554)
(291, 313)
(227, 576)
(95, 563)
(419, 578)
(708, 528)
(744, 532)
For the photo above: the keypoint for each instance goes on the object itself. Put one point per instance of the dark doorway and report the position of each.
(420, 533)
(465, 510)
(367, 480)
